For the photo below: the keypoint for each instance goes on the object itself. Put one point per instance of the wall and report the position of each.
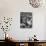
(12, 8)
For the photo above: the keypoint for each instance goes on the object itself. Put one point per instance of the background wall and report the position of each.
(12, 8)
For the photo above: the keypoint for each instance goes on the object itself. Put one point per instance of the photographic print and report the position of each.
(25, 19)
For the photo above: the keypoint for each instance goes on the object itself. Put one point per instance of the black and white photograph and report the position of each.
(25, 19)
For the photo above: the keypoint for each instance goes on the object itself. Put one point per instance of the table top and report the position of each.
(40, 41)
(27, 41)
